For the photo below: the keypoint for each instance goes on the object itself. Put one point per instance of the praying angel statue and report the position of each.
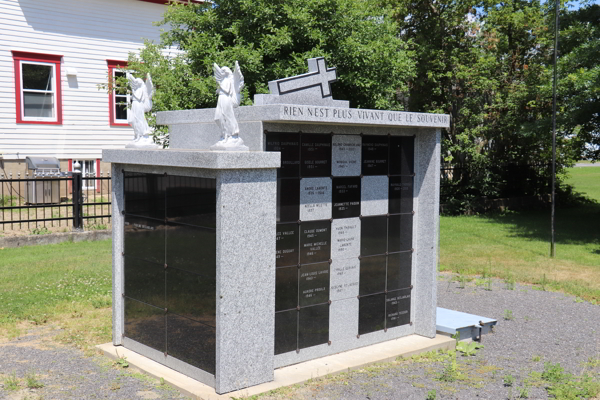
(141, 103)
(230, 97)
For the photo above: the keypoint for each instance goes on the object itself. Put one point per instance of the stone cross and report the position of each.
(318, 76)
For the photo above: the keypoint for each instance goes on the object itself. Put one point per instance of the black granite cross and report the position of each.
(319, 75)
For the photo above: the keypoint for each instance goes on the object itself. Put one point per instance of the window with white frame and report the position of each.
(88, 170)
(118, 97)
(38, 91)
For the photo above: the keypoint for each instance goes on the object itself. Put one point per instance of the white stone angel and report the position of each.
(230, 97)
(141, 102)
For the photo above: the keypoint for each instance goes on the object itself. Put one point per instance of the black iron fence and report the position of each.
(55, 202)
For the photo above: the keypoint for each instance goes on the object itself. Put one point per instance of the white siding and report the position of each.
(86, 33)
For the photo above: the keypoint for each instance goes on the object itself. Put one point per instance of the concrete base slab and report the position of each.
(293, 374)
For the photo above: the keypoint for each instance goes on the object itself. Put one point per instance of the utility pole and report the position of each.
(553, 195)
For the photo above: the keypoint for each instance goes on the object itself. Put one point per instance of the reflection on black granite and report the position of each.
(374, 155)
(192, 200)
(145, 324)
(288, 200)
(371, 313)
(315, 241)
(145, 239)
(372, 275)
(192, 296)
(314, 284)
(397, 305)
(313, 326)
(373, 235)
(144, 194)
(400, 232)
(191, 342)
(286, 331)
(289, 146)
(145, 281)
(193, 249)
(346, 197)
(315, 155)
(399, 266)
(286, 288)
(402, 150)
(401, 194)
(287, 244)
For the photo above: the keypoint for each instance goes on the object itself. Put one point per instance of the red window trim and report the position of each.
(19, 56)
(112, 64)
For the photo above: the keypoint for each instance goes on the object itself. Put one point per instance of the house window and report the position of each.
(88, 170)
(38, 91)
(117, 98)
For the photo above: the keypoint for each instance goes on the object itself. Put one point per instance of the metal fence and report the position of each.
(51, 202)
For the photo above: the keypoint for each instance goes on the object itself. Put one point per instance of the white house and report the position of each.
(53, 55)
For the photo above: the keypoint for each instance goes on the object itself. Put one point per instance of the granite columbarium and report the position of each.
(320, 239)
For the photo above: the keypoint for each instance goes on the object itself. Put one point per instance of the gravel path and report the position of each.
(545, 327)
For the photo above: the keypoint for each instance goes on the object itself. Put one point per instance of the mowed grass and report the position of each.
(68, 284)
(517, 244)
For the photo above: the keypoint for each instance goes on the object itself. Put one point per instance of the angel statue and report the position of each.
(141, 102)
(230, 97)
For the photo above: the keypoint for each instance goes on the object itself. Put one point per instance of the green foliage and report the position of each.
(32, 382)
(509, 282)
(565, 386)
(509, 380)
(508, 315)
(122, 362)
(468, 349)
(272, 40)
(11, 382)
(450, 373)
(431, 395)
(8, 201)
(523, 393)
(42, 230)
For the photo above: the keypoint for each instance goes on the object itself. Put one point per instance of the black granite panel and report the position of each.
(402, 155)
(315, 155)
(314, 284)
(145, 324)
(145, 239)
(191, 342)
(371, 313)
(374, 155)
(288, 200)
(287, 244)
(315, 241)
(191, 296)
(399, 268)
(192, 200)
(289, 146)
(397, 305)
(372, 275)
(400, 194)
(144, 194)
(145, 281)
(373, 235)
(400, 232)
(192, 249)
(286, 288)
(313, 326)
(286, 331)
(346, 197)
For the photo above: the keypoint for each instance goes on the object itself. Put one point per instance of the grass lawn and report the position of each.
(516, 245)
(68, 284)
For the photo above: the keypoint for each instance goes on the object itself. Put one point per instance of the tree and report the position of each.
(272, 39)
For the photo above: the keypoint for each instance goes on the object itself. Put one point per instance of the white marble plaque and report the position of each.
(343, 320)
(344, 279)
(345, 238)
(315, 199)
(345, 155)
(374, 195)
